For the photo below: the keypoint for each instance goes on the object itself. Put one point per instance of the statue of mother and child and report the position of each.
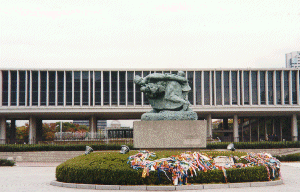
(167, 94)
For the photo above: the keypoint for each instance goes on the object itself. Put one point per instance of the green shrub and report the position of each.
(255, 145)
(247, 174)
(111, 168)
(291, 157)
(4, 162)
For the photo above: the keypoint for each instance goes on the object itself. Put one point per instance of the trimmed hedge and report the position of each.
(4, 162)
(291, 157)
(255, 145)
(81, 147)
(49, 147)
(112, 169)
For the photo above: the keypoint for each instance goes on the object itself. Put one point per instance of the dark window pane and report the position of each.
(246, 88)
(278, 87)
(286, 87)
(262, 88)
(60, 95)
(28, 88)
(97, 88)
(270, 87)
(106, 87)
(226, 87)
(43, 88)
(52, 84)
(234, 87)
(22, 85)
(190, 77)
(146, 101)
(294, 92)
(77, 81)
(130, 87)
(13, 88)
(122, 87)
(219, 87)
(138, 93)
(91, 87)
(206, 88)
(212, 88)
(114, 87)
(254, 87)
(198, 87)
(4, 88)
(85, 87)
(69, 88)
(35, 83)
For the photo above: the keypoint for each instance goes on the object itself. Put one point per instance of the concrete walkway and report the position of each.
(27, 179)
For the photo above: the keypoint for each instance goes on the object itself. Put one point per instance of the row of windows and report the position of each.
(33, 88)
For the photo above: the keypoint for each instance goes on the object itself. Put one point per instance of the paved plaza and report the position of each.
(28, 177)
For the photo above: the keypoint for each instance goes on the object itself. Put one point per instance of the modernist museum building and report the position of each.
(258, 102)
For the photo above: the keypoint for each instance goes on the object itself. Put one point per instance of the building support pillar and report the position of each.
(258, 129)
(250, 129)
(12, 136)
(235, 129)
(209, 127)
(32, 130)
(93, 126)
(2, 130)
(294, 128)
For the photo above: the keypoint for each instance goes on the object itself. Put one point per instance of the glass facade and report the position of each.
(116, 88)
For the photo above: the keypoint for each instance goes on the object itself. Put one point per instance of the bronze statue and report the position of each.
(167, 94)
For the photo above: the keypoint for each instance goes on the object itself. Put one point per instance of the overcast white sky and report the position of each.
(148, 34)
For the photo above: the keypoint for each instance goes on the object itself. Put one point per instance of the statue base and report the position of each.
(169, 134)
(170, 115)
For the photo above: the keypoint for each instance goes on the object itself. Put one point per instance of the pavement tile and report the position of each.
(238, 185)
(215, 186)
(189, 187)
(69, 185)
(161, 188)
(86, 186)
(134, 188)
(56, 183)
(258, 184)
(108, 187)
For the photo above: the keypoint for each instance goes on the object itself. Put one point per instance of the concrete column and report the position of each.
(294, 128)
(209, 127)
(2, 130)
(32, 130)
(93, 126)
(235, 129)
(12, 132)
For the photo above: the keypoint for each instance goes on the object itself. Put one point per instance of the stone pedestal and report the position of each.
(169, 134)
